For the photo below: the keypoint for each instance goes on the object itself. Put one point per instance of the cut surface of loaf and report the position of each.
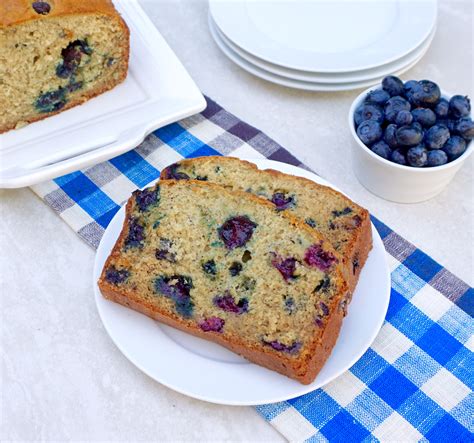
(344, 223)
(56, 54)
(228, 267)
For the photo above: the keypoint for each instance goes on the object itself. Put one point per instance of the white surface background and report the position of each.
(63, 379)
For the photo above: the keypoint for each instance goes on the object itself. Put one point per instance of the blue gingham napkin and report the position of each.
(414, 383)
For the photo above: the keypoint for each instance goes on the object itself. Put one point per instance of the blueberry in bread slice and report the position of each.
(55, 54)
(344, 223)
(230, 268)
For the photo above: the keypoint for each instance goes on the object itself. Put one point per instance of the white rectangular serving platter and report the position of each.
(156, 92)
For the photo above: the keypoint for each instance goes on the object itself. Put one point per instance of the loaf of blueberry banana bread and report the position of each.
(55, 54)
(226, 266)
(345, 224)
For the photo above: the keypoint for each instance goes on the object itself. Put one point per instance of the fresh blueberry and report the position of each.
(437, 157)
(390, 136)
(147, 198)
(442, 108)
(394, 106)
(381, 148)
(286, 267)
(368, 111)
(377, 96)
(455, 147)
(408, 88)
(316, 256)
(41, 7)
(424, 116)
(227, 303)
(116, 276)
(209, 267)
(236, 231)
(283, 201)
(409, 135)
(424, 93)
(417, 156)
(436, 136)
(459, 106)
(311, 222)
(403, 118)
(398, 156)
(235, 268)
(278, 346)
(465, 128)
(177, 288)
(369, 132)
(417, 126)
(51, 101)
(393, 85)
(449, 123)
(214, 324)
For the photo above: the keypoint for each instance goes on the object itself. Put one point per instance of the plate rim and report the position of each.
(305, 76)
(299, 84)
(217, 5)
(302, 389)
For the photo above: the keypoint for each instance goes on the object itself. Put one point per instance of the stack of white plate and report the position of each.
(323, 45)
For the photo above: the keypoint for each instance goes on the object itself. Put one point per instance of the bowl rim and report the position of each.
(461, 159)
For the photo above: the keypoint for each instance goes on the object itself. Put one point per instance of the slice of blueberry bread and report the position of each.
(228, 267)
(55, 54)
(344, 223)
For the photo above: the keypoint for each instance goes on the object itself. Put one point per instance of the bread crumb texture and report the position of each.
(341, 221)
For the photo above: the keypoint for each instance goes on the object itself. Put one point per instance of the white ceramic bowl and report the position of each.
(398, 183)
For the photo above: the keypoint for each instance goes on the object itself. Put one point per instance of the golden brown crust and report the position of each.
(14, 12)
(302, 370)
(267, 359)
(355, 251)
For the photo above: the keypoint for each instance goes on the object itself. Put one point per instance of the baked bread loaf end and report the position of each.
(56, 54)
(227, 267)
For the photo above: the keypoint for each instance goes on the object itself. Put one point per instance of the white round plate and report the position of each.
(207, 371)
(298, 84)
(344, 77)
(326, 36)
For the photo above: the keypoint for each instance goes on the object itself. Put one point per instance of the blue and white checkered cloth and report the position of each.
(414, 383)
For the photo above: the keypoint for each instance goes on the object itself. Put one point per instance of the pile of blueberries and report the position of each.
(411, 124)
